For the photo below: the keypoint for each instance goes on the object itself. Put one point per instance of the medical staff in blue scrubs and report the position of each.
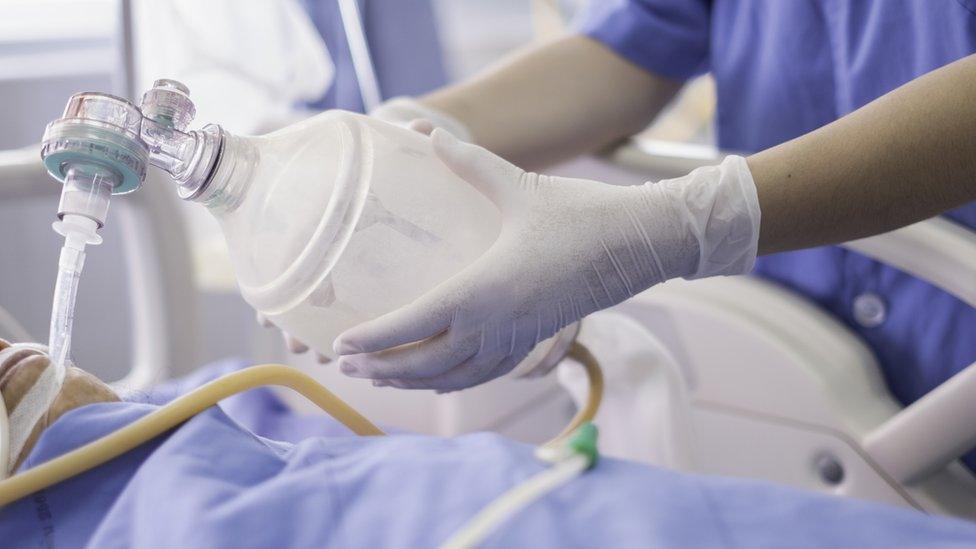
(403, 43)
(783, 69)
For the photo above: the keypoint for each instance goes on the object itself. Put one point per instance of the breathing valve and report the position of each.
(102, 145)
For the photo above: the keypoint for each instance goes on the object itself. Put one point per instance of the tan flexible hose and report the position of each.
(176, 412)
(110, 446)
(579, 353)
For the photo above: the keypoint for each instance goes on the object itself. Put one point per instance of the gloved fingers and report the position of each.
(263, 320)
(427, 316)
(488, 173)
(504, 366)
(509, 364)
(408, 384)
(485, 353)
(421, 359)
(399, 383)
(294, 345)
(469, 373)
(474, 371)
(492, 360)
(421, 125)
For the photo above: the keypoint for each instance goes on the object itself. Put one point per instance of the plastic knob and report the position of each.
(168, 103)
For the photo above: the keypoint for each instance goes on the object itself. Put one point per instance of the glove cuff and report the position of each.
(403, 110)
(719, 205)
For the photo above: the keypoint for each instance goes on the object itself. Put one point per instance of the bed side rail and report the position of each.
(937, 428)
(157, 262)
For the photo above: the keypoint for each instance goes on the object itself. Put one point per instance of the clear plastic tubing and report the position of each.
(82, 211)
(83, 208)
(70, 263)
(84, 203)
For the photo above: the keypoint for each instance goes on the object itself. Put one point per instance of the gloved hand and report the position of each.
(567, 247)
(412, 114)
(408, 113)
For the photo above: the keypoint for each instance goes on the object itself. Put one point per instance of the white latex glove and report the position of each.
(292, 343)
(567, 247)
(408, 113)
(412, 114)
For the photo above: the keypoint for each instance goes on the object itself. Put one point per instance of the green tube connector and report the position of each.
(584, 442)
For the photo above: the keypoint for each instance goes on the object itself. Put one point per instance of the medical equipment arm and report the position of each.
(904, 157)
(555, 101)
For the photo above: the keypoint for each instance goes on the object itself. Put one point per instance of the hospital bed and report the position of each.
(780, 391)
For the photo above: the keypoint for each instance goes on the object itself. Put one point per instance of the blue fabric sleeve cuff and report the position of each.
(669, 38)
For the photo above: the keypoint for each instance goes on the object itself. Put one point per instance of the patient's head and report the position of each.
(20, 370)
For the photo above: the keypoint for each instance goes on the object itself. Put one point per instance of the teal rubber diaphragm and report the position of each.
(101, 130)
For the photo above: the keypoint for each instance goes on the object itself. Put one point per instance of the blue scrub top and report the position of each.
(786, 67)
(403, 44)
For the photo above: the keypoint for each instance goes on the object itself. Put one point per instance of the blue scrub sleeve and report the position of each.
(669, 38)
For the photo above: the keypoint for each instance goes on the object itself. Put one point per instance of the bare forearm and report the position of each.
(555, 101)
(903, 158)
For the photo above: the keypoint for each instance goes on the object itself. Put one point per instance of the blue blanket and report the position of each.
(251, 474)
